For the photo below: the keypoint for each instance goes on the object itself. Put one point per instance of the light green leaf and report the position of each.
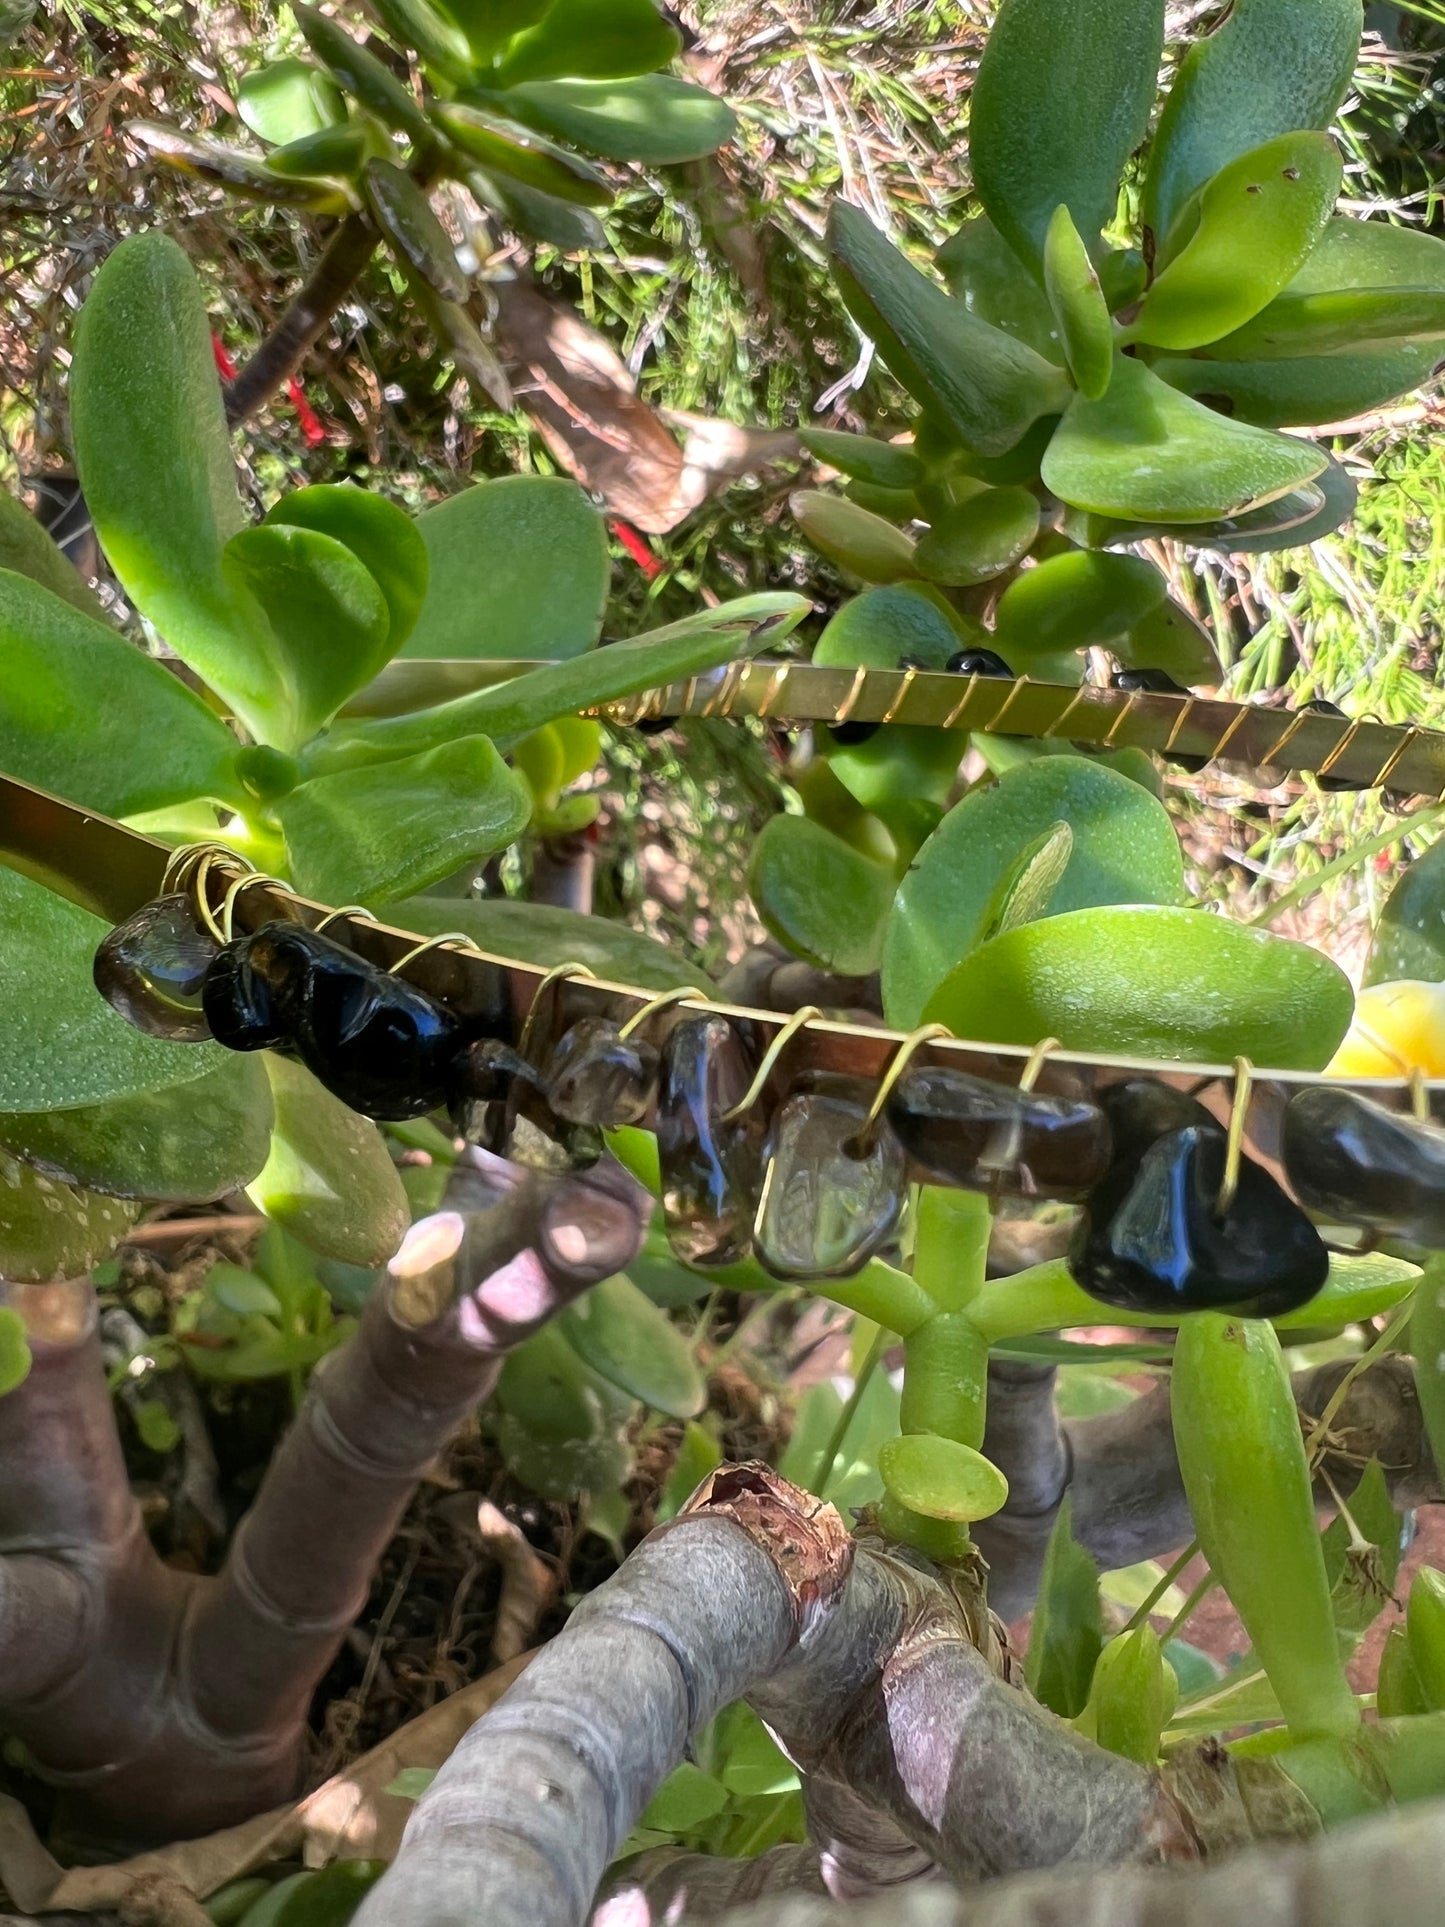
(858, 541)
(1242, 240)
(335, 153)
(231, 168)
(519, 570)
(1068, 1625)
(1169, 638)
(1346, 321)
(405, 216)
(1301, 392)
(14, 1351)
(26, 549)
(941, 1478)
(980, 538)
(77, 702)
(329, 1179)
(1176, 984)
(288, 99)
(822, 899)
(987, 385)
(1061, 101)
(489, 24)
(1409, 940)
(1147, 452)
(1075, 601)
(652, 118)
(382, 537)
(50, 1230)
(889, 465)
(1080, 311)
(591, 40)
(623, 1336)
(1124, 850)
(984, 273)
(545, 934)
(1025, 891)
(507, 147)
(1271, 67)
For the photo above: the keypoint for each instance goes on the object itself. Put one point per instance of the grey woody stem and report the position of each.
(342, 262)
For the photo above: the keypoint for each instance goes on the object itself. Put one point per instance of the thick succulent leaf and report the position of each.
(50, 1230)
(1169, 638)
(1061, 101)
(288, 99)
(1245, 237)
(1125, 850)
(429, 30)
(231, 168)
(15, 1360)
(363, 76)
(187, 1143)
(1074, 601)
(507, 147)
(1301, 392)
(519, 571)
(1026, 890)
(539, 217)
(988, 386)
(1068, 1629)
(61, 1045)
(941, 1478)
(405, 216)
(1251, 528)
(984, 273)
(489, 24)
(626, 1339)
(1323, 505)
(326, 610)
(1271, 67)
(328, 1179)
(382, 537)
(652, 118)
(1146, 452)
(591, 40)
(369, 836)
(459, 337)
(885, 464)
(558, 1425)
(1175, 984)
(95, 719)
(544, 934)
(1347, 321)
(1409, 940)
(980, 538)
(338, 152)
(822, 899)
(1080, 311)
(859, 542)
(26, 549)
(155, 461)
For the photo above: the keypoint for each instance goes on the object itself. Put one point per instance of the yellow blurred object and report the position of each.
(1397, 1028)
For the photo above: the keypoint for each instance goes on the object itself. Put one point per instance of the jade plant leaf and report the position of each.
(1080, 311)
(382, 537)
(519, 570)
(1409, 940)
(824, 900)
(1124, 850)
(652, 118)
(405, 216)
(14, 1351)
(507, 147)
(1075, 601)
(941, 1478)
(1061, 101)
(1169, 638)
(542, 217)
(1027, 889)
(988, 386)
(328, 1179)
(155, 461)
(545, 934)
(1303, 391)
(984, 273)
(489, 24)
(50, 1230)
(559, 1425)
(886, 464)
(1271, 67)
(61, 1044)
(363, 76)
(93, 718)
(1146, 452)
(591, 40)
(186, 1142)
(979, 538)
(1068, 1629)
(1151, 982)
(287, 100)
(338, 152)
(618, 1331)
(858, 541)
(1244, 238)
(26, 549)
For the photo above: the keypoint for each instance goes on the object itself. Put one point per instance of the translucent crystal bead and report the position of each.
(967, 1131)
(1353, 1161)
(711, 1169)
(151, 968)
(830, 1198)
(597, 1076)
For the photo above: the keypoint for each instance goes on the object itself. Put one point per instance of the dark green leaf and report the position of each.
(1147, 452)
(1244, 238)
(287, 100)
(439, 41)
(26, 549)
(185, 1143)
(653, 118)
(544, 934)
(519, 570)
(239, 173)
(404, 215)
(625, 1339)
(1124, 850)
(1176, 984)
(987, 385)
(818, 896)
(591, 40)
(61, 1044)
(371, 835)
(507, 147)
(980, 538)
(1169, 638)
(50, 1231)
(1298, 393)
(861, 543)
(984, 273)
(1075, 601)
(540, 217)
(326, 611)
(363, 76)
(1271, 67)
(1068, 1625)
(1080, 312)
(559, 1425)
(459, 337)
(1061, 101)
(1409, 941)
(886, 464)
(155, 461)
(331, 152)
(329, 1179)
(93, 718)
(385, 540)
(489, 24)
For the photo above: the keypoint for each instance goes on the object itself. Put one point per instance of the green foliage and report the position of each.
(1068, 1626)
(941, 1478)
(618, 1331)
(272, 1321)
(819, 897)
(50, 1230)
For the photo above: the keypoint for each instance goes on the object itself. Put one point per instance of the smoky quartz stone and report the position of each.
(480, 1084)
(832, 1196)
(711, 1168)
(597, 1076)
(1353, 1161)
(151, 968)
(966, 1131)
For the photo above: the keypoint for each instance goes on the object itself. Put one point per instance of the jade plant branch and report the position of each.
(163, 1704)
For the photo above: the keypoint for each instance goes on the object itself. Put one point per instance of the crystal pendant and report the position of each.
(151, 968)
(830, 1199)
(966, 1131)
(1152, 1238)
(1353, 1161)
(480, 1084)
(711, 1169)
(597, 1076)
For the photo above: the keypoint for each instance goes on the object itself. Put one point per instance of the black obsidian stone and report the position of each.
(597, 1076)
(850, 735)
(1149, 682)
(240, 1010)
(1140, 1110)
(1152, 1239)
(978, 662)
(1353, 1161)
(711, 1169)
(983, 1136)
(151, 968)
